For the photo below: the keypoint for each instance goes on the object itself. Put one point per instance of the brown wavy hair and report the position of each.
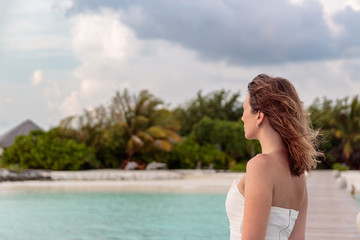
(280, 103)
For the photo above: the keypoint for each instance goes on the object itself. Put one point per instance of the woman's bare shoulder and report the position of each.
(259, 164)
(260, 161)
(265, 165)
(259, 179)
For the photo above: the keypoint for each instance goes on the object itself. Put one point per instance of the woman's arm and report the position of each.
(258, 198)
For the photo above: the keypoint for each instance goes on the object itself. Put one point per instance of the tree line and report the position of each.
(205, 131)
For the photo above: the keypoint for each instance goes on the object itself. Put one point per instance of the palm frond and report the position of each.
(163, 145)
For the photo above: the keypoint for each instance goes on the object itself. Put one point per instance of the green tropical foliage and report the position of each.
(47, 151)
(348, 127)
(206, 131)
(239, 167)
(228, 136)
(96, 130)
(147, 128)
(189, 153)
(340, 124)
(222, 105)
(340, 167)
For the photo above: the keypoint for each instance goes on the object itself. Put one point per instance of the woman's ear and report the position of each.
(260, 118)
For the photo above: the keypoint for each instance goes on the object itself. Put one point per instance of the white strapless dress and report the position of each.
(281, 220)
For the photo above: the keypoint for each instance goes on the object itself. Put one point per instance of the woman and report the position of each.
(270, 201)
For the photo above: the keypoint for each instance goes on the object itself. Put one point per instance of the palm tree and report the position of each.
(147, 127)
(340, 125)
(348, 127)
(87, 128)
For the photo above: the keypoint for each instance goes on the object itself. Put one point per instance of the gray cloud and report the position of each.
(349, 39)
(240, 32)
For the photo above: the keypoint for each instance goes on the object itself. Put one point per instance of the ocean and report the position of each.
(112, 216)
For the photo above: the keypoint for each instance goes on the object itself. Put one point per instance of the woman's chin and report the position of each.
(249, 137)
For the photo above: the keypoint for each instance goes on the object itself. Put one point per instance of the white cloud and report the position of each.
(101, 36)
(113, 58)
(102, 43)
(297, 2)
(354, 4)
(331, 7)
(37, 77)
(71, 105)
(243, 32)
(58, 94)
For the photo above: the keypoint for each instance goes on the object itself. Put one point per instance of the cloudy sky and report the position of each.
(58, 57)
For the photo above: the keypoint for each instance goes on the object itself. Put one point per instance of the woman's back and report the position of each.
(288, 195)
(289, 191)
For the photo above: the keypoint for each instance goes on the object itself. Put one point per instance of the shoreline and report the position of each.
(170, 181)
(157, 181)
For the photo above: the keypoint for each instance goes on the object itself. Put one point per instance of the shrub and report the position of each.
(228, 136)
(239, 167)
(340, 167)
(45, 150)
(188, 153)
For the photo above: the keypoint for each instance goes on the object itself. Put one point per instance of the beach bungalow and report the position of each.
(23, 128)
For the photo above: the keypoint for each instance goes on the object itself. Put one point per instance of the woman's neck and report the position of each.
(271, 141)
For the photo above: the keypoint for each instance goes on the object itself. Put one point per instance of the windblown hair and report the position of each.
(280, 103)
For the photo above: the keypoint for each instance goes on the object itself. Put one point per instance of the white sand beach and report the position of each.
(189, 181)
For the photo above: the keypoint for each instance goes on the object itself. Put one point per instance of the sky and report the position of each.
(59, 57)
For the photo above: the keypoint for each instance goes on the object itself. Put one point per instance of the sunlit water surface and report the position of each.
(103, 216)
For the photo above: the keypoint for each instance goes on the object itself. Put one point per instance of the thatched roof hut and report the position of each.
(23, 128)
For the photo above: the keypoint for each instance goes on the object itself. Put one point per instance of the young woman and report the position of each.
(270, 201)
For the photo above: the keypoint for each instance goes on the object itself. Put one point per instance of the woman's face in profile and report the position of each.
(249, 119)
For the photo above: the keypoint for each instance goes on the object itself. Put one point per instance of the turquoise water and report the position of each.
(112, 216)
